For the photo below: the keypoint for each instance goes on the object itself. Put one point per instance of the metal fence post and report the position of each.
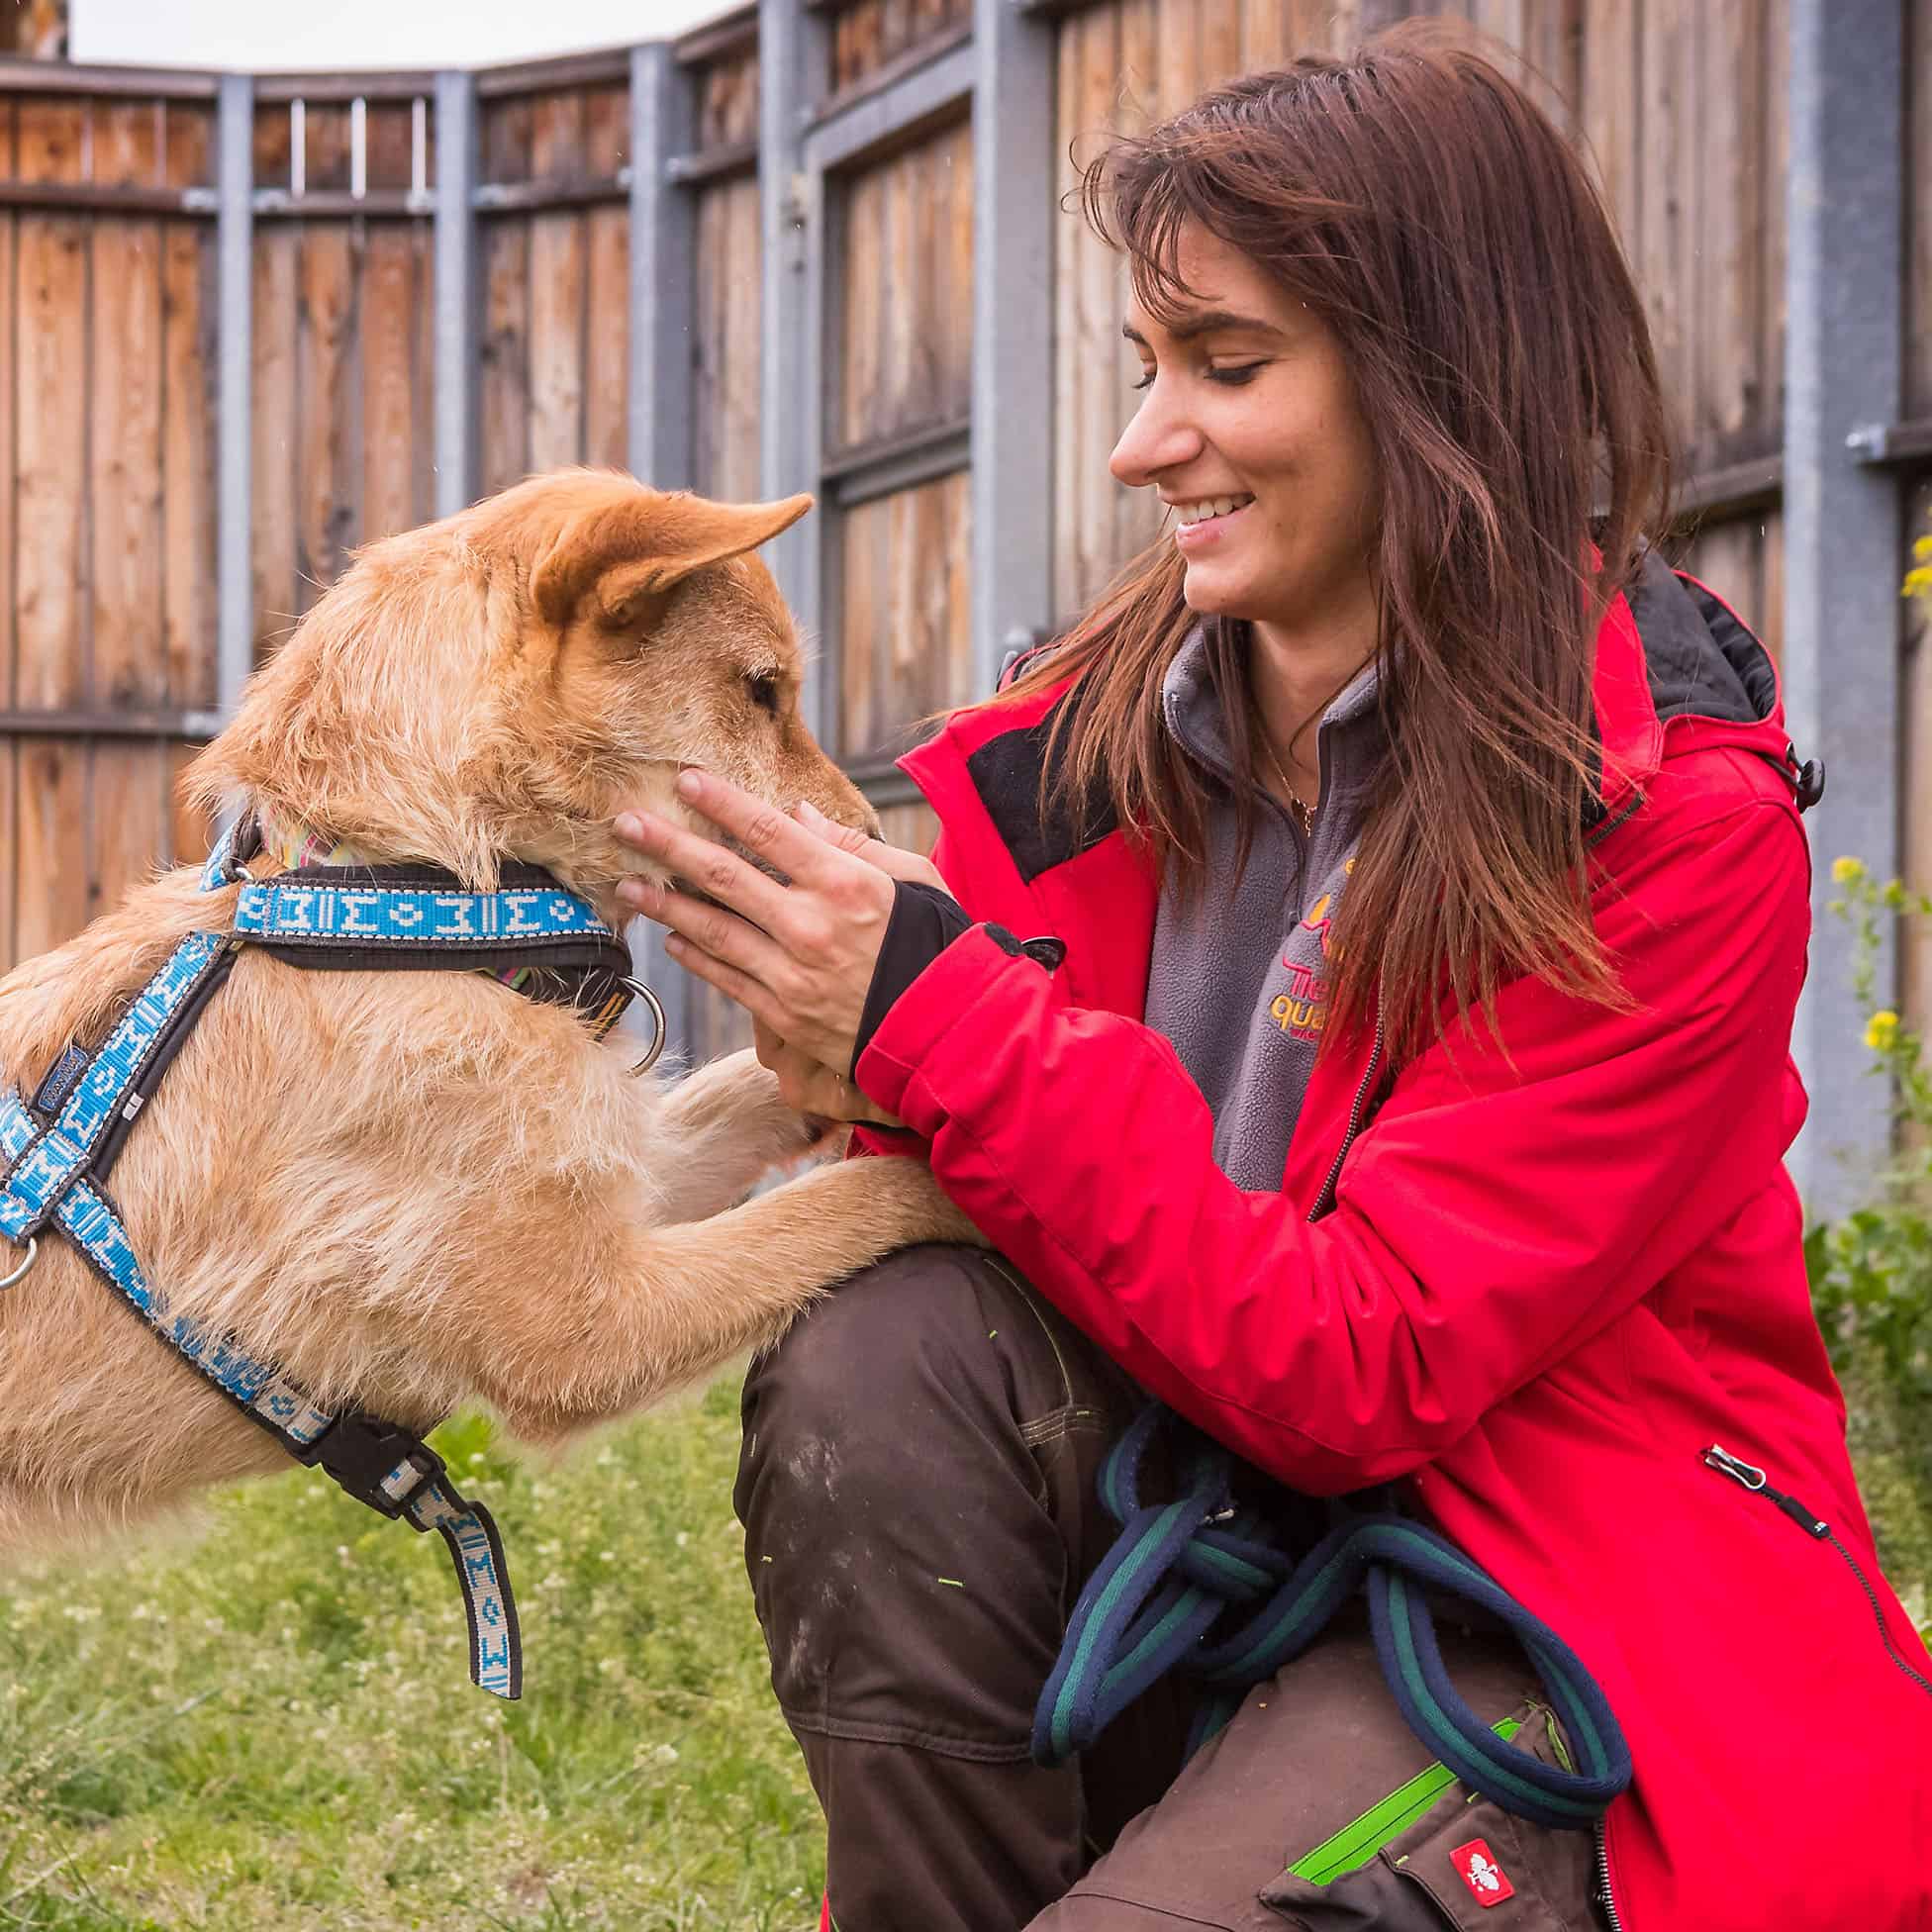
(663, 376)
(1012, 299)
(1842, 523)
(458, 330)
(791, 69)
(663, 272)
(234, 248)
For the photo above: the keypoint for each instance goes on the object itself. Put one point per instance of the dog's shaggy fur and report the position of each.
(416, 1190)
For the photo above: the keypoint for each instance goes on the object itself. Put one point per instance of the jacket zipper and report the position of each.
(1326, 1200)
(1605, 1898)
(1748, 1476)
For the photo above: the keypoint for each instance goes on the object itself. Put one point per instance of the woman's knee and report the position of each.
(873, 1380)
(908, 1505)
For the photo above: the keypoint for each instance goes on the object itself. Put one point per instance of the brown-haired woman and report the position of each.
(1400, 1093)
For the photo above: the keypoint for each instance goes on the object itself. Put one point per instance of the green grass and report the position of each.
(268, 1722)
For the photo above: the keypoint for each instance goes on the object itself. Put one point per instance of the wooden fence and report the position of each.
(111, 322)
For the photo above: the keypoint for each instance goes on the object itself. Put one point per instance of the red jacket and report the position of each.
(1544, 1287)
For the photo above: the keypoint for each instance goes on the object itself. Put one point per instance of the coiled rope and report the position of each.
(1171, 1592)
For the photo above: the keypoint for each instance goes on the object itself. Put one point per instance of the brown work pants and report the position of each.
(917, 1489)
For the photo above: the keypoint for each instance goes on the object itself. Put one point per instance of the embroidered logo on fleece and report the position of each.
(1302, 1011)
(1477, 1865)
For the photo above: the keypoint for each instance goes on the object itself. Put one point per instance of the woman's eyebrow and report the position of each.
(1201, 323)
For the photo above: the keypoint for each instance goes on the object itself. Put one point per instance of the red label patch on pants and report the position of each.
(1476, 1864)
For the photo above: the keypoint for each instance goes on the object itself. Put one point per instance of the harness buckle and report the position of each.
(376, 1462)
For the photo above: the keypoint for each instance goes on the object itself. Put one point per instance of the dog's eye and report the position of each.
(765, 693)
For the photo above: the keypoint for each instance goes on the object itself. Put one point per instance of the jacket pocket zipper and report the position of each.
(1748, 1476)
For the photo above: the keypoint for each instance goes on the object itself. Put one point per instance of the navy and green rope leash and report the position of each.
(1169, 1593)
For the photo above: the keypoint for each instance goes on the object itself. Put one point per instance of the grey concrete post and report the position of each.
(663, 306)
(1842, 530)
(791, 75)
(1013, 303)
(663, 272)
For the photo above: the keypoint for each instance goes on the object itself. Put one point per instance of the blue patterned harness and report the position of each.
(55, 1153)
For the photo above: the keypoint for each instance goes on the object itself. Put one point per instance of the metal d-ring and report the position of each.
(650, 1000)
(25, 1268)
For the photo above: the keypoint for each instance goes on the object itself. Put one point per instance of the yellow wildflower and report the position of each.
(1881, 1031)
(1848, 871)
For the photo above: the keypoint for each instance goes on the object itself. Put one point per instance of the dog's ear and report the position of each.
(628, 556)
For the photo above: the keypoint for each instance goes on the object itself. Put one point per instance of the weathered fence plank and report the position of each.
(607, 285)
(272, 432)
(50, 816)
(1612, 111)
(557, 281)
(396, 388)
(187, 548)
(123, 413)
(51, 349)
(905, 619)
(327, 411)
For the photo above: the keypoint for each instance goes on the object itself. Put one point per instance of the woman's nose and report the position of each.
(1158, 437)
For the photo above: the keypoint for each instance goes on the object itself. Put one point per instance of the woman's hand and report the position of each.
(798, 958)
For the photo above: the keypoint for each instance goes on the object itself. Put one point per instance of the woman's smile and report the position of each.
(1202, 521)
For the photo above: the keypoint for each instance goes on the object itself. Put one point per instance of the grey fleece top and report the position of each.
(1238, 976)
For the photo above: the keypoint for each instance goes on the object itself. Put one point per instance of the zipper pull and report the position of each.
(1751, 1477)
(1735, 1467)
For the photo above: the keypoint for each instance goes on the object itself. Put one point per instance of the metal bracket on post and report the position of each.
(458, 333)
(1844, 374)
(1890, 442)
(234, 277)
(660, 445)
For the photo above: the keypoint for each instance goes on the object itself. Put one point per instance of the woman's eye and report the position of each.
(1146, 382)
(765, 693)
(1238, 373)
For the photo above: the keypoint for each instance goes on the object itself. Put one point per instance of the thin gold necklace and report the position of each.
(1299, 809)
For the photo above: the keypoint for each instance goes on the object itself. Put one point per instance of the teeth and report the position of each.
(1207, 507)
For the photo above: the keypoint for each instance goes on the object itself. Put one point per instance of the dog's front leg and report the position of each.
(730, 1127)
(661, 1307)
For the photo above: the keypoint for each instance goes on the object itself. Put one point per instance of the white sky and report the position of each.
(334, 34)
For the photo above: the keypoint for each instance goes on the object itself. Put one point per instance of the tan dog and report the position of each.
(412, 1191)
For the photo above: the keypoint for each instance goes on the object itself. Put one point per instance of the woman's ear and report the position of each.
(625, 557)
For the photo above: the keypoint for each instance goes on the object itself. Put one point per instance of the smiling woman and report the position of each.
(1363, 1024)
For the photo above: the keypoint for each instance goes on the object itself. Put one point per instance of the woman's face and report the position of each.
(1250, 430)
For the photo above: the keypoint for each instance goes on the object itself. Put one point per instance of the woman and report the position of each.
(1402, 1098)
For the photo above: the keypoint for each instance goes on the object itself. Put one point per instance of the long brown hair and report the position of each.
(1424, 206)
